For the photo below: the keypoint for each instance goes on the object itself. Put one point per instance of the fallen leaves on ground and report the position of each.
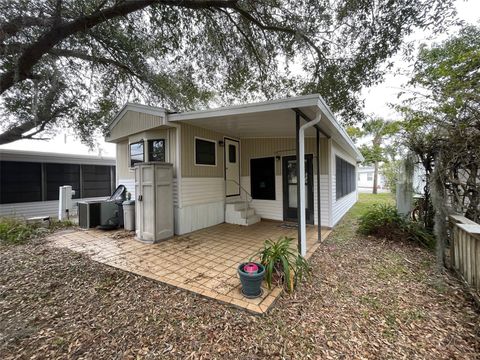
(367, 298)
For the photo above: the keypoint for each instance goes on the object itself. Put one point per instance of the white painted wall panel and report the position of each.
(273, 209)
(202, 190)
(38, 208)
(199, 216)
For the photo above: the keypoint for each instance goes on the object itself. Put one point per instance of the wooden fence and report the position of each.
(465, 249)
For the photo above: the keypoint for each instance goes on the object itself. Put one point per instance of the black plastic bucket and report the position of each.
(251, 282)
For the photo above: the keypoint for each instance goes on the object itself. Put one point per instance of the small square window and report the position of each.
(136, 153)
(205, 152)
(232, 154)
(156, 150)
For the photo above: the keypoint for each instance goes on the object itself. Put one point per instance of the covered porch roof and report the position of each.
(274, 118)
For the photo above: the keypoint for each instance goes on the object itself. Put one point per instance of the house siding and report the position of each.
(273, 209)
(342, 205)
(189, 169)
(39, 208)
(133, 122)
(264, 147)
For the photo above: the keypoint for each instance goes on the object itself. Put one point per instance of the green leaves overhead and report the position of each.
(192, 54)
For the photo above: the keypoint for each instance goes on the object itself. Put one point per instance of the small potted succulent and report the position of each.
(251, 276)
(283, 264)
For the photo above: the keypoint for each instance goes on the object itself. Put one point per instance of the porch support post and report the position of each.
(297, 147)
(319, 221)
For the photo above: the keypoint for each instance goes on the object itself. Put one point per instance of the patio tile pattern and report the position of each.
(186, 261)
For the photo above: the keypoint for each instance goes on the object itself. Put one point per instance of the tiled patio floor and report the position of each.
(185, 261)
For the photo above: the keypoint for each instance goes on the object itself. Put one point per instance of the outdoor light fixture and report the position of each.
(221, 143)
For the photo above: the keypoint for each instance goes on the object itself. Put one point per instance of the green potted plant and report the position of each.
(283, 264)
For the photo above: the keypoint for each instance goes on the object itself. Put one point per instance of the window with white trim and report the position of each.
(205, 152)
(136, 153)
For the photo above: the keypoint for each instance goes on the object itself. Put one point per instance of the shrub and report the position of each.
(15, 231)
(382, 220)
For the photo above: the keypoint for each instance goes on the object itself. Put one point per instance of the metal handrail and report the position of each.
(242, 188)
(247, 202)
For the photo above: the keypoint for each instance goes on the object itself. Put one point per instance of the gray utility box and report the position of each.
(154, 201)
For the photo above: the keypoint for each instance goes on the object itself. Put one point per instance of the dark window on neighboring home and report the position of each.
(262, 178)
(205, 152)
(344, 177)
(232, 154)
(62, 174)
(96, 181)
(156, 150)
(136, 153)
(20, 182)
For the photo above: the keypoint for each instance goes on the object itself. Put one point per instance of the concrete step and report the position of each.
(246, 213)
(253, 219)
(241, 205)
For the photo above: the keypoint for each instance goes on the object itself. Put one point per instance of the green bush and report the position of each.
(15, 231)
(382, 220)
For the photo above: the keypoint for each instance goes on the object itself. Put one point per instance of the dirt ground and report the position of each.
(367, 298)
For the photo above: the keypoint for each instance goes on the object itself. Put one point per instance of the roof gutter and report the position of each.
(301, 164)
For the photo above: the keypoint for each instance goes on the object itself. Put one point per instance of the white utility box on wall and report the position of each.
(154, 201)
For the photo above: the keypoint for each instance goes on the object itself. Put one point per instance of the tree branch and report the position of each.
(94, 59)
(32, 54)
(8, 29)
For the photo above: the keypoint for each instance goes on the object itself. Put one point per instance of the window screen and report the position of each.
(344, 178)
(156, 150)
(62, 174)
(96, 181)
(205, 152)
(20, 182)
(136, 153)
(262, 178)
(232, 154)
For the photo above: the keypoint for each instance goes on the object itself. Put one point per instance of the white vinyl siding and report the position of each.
(273, 209)
(38, 208)
(342, 205)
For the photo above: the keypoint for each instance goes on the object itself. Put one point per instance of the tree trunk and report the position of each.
(375, 178)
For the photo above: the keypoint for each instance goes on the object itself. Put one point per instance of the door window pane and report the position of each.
(232, 154)
(292, 196)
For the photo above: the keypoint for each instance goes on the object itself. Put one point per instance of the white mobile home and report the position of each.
(29, 180)
(238, 163)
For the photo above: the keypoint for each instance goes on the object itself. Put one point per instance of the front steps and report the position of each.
(240, 213)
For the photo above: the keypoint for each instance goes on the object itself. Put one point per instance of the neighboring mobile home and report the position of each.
(230, 156)
(29, 180)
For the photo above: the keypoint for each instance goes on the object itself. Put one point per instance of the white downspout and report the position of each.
(301, 162)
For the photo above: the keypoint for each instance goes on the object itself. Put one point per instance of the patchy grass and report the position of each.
(366, 299)
(14, 231)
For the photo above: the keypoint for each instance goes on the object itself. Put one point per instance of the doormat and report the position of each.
(288, 225)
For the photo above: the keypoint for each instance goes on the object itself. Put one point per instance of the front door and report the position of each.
(290, 183)
(232, 167)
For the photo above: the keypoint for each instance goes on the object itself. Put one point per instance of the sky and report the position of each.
(377, 98)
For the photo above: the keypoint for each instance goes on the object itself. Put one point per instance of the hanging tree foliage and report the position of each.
(443, 126)
(72, 62)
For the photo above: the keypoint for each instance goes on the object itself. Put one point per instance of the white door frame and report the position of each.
(225, 158)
